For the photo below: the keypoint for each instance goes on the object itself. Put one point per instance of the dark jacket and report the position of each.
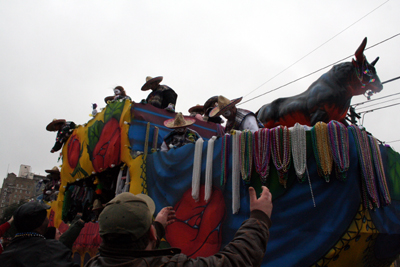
(162, 97)
(246, 249)
(36, 252)
(63, 134)
(68, 238)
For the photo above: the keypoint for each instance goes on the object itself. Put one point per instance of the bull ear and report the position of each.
(360, 51)
(374, 62)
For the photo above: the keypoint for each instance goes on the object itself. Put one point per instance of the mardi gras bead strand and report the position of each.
(246, 154)
(224, 154)
(299, 150)
(323, 149)
(339, 145)
(311, 191)
(368, 182)
(281, 152)
(379, 170)
(198, 150)
(323, 156)
(262, 153)
(209, 169)
(235, 172)
(28, 234)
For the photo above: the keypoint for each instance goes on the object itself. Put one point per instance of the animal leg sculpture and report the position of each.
(319, 115)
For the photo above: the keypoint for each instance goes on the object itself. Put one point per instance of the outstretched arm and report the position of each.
(250, 242)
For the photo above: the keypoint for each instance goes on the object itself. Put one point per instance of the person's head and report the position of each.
(225, 107)
(54, 173)
(198, 109)
(180, 131)
(119, 90)
(127, 221)
(55, 125)
(152, 83)
(230, 114)
(31, 217)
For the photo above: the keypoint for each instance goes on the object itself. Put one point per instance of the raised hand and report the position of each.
(166, 216)
(263, 203)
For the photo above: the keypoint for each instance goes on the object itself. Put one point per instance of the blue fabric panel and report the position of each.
(300, 235)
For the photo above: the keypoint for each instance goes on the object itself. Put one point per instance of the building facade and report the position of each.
(16, 189)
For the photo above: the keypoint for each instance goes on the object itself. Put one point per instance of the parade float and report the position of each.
(335, 187)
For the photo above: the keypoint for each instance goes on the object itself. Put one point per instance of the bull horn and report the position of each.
(374, 62)
(360, 51)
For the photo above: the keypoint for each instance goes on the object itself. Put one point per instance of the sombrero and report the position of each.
(224, 104)
(198, 108)
(149, 81)
(53, 170)
(179, 121)
(53, 126)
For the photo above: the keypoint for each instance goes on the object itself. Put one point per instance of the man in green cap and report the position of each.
(130, 238)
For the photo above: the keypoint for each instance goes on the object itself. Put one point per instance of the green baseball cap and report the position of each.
(127, 214)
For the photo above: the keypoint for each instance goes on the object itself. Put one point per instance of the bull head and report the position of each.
(366, 72)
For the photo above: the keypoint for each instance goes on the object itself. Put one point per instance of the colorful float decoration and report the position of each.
(335, 188)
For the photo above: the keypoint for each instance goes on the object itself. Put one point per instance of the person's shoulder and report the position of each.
(55, 245)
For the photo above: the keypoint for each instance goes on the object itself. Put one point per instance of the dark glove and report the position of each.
(86, 213)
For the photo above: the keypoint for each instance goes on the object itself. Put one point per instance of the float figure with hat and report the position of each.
(181, 135)
(52, 184)
(237, 118)
(211, 103)
(64, 129)
(162, 96)
(197, 112)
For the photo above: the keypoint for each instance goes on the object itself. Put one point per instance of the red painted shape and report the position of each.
(107, 149)
(74, 147)
(198, 226)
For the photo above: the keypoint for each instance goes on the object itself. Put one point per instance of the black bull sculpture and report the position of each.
(328, 98)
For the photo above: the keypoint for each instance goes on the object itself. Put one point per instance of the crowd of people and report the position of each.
(130, 236)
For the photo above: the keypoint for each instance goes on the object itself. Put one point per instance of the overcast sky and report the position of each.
(59, 57)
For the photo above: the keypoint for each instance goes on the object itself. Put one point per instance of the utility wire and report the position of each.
(392, 141)
(380, 103)
(369, 101)
(379, 108)
(316, 49)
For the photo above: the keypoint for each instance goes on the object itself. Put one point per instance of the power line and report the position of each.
(369, 101)
(394, 141)
(316, 49)
(380, 103)
(378, 108)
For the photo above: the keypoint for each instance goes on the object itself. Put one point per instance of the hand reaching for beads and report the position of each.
(263, 203)
(166, 216)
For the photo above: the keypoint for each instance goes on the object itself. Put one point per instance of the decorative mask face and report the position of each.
(227, 114)
(117, 92)
(180, 130)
